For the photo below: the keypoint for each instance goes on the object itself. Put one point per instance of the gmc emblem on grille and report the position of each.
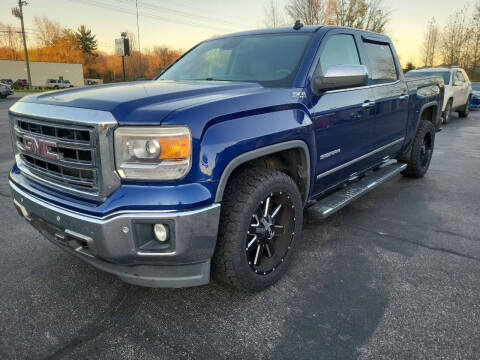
(40, 147)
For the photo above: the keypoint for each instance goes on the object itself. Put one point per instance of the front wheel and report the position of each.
(448, 112)
(465, 109)
(422, 151)
(260, 224)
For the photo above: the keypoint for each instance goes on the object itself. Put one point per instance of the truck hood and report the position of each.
(146, 102)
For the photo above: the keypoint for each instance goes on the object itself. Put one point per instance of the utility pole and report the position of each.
(138, 28)
(18, 12)
(124, 35)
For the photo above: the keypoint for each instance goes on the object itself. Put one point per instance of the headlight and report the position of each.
(160, 153)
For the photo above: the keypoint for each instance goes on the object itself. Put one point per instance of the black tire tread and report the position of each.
(414, 168)
(236, 199)
(449, 105)
(464, 112)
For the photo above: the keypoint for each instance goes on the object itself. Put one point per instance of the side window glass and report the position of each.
(459, 76)
(339, 50)
(381, 64)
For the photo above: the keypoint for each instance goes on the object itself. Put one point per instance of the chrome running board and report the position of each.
(341, 198)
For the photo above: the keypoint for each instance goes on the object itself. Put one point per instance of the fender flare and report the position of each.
(258, 153)
(405, 155)
(426, 106)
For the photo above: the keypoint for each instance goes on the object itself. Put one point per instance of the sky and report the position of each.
(184, 23)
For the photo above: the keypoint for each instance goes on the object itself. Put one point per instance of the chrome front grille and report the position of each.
(57, 152)
(67, 148)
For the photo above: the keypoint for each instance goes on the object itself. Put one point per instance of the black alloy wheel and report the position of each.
(270, 233)
(426, 150)
(260, 224)
(421, 151)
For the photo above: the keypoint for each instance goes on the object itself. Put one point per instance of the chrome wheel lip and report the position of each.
(269, 233)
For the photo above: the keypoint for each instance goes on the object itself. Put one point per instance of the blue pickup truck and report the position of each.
(208, 168)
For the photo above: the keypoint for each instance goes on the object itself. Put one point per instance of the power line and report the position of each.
(200, 10)
(151, 16)
(190, 15)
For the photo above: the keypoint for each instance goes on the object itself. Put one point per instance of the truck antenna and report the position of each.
(298, 25)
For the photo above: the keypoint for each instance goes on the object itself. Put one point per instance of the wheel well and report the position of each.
(294, 162)
(429, 114)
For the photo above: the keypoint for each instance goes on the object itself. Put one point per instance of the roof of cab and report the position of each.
(306, 29)
(279, 30)
(434, 69)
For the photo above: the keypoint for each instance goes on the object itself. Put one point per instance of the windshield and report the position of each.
(476, 86)
(444, 74)
(271, 60)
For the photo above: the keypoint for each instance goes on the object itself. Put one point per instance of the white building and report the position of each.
(41, 71)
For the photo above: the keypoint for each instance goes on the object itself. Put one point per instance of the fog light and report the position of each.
(161, 232)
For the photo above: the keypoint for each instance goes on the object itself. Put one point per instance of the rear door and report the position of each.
(342, 121)
(390, 91)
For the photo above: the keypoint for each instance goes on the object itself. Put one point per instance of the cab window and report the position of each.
(339, 50)
(459, 78)
(381, 64)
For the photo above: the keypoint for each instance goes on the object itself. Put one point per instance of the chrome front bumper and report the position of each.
(111, 243)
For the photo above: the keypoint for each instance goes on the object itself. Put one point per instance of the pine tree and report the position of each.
(86, 41)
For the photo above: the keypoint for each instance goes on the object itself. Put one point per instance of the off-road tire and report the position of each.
(463, 113)
(243, 194)
(419, 161)
(448, 112)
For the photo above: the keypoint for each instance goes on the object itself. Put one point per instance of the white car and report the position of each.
(58, 84)
(5, 90)
(458, 89)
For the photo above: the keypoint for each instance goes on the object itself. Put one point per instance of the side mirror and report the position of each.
(340, 77)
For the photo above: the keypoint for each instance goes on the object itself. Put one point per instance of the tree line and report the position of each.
(369, 15)
(49, 41)
(457, 42)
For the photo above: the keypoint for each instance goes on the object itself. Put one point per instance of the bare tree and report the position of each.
(361, 14)
(273, 15)
(310, 12)
(453, 40)
(474, 39)
(349, 13)
(11, 41)
(47, 31)
(377, 17)
(430, 43)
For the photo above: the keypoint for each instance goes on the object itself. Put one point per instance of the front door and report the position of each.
(342, 120)
(460, 89)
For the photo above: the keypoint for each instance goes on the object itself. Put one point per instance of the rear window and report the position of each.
(381, 63)
(444, 74)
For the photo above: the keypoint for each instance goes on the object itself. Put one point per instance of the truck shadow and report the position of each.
(328, 305)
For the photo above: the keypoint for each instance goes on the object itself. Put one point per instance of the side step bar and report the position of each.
(341, 198)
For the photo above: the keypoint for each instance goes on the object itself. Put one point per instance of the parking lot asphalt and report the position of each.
(395, 275)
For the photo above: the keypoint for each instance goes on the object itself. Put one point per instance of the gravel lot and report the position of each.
(395, 275)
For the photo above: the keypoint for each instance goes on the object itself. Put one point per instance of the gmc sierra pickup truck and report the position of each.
(209, 167)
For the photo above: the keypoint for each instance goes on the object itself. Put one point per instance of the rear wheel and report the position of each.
(260, 224)
(465, 109)
(448, 112)
(422, 151)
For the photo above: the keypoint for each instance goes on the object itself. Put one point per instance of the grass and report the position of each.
(26, 90)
